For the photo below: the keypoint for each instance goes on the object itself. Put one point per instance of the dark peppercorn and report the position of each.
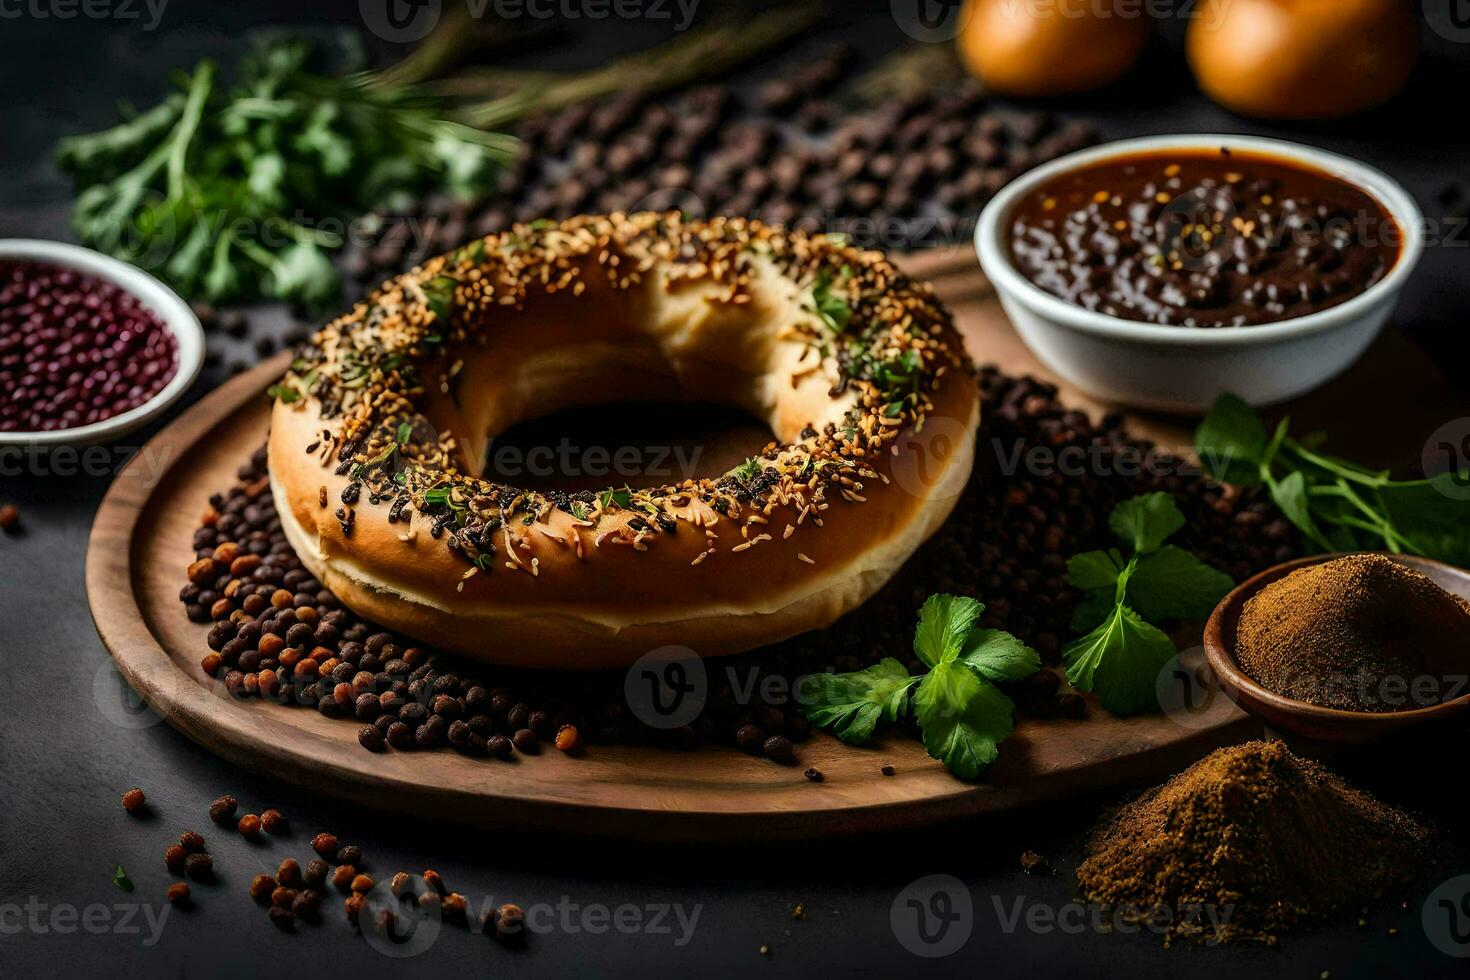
(273, 822)
(778, 748)
(191, 841)
(349, 854)
(283, 918)
(315, 874)
(370, 737)
(400, 736)
(326, 845)
(305, 906)
(499, 746)
(133, 800)
(222, 810)
(525, 741)
(814, 774)
(200, 867)
(887, 770)
(750, 739)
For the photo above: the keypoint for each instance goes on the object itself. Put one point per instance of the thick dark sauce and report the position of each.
(1206, 238)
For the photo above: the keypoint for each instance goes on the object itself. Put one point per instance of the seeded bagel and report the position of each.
(379, 428)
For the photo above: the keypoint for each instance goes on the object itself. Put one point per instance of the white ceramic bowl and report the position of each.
(173, 311)
(1182, 369)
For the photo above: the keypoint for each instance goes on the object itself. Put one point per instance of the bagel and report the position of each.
(378, 433)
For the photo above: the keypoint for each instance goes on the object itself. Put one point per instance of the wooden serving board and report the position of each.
(141, 542)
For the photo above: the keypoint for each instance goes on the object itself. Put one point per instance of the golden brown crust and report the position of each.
(799, 536)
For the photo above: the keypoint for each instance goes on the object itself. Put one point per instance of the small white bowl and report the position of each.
(1183, 369)
(173, 311)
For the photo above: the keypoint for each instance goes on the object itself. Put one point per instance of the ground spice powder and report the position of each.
(1247, 844)
(1359, 633)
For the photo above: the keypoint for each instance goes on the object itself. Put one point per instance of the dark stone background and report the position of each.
(63, 762)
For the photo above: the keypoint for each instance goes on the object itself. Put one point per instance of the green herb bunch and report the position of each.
(1337, 504)
(962, 714)
(1122, 653)
(232, 193)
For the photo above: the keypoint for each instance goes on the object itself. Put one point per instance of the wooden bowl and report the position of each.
(1311, 720)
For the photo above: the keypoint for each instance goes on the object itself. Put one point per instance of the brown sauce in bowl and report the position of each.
(1202, 238)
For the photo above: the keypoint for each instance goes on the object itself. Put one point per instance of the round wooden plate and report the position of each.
(142, 541)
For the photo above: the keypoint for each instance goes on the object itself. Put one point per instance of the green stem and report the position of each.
(188, 125)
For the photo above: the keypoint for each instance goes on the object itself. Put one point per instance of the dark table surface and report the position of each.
(70, 741)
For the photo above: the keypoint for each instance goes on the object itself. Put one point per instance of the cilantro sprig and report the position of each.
(1121, 654)
(962, 714)
(1337, 504)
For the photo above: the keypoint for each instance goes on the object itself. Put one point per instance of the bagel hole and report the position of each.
(640, 444)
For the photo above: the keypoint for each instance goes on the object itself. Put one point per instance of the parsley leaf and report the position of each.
(962, 714)
(1121, 654)
(944, 622)
(1094, 569)
(1171, 583)
(963, 718)
(1231, 442)
(998, 656)
(853, 704)
(1337, 504)
(121, 880)
(1145, 521)
(1120, 661)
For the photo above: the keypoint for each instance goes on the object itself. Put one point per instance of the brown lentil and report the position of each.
(261, 887)
(249, 826)
(191, 841)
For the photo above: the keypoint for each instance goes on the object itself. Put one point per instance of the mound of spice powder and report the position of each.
(1359, 633)
(1247, 844)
